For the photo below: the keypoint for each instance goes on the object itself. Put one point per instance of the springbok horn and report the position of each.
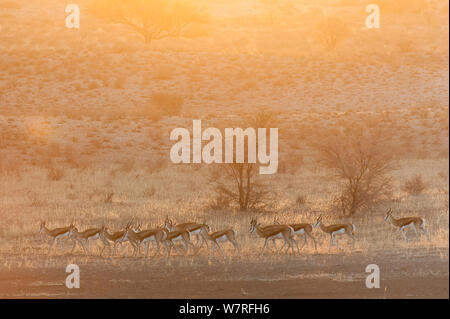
(128, 224)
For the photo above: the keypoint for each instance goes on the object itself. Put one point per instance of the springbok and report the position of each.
(56, 234)
(402, 224)
(116, 238)
(84, 238)
(301, 229)
(272, 232)
(178, 234)
(220, 237)
(144, 237)
(192, 227)
(337, 229)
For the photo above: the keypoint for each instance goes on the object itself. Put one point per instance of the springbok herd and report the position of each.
(170, 234)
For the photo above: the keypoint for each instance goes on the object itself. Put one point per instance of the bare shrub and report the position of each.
(108, 197)
(149, 192)
(10, 168)
(300, 200)
(93, 85)
(120, 81)
(290, 163)
(443, 175)
(169, 103)
(331, 31)
(361, 165)
(163, 72)
(415, 185)
(54, 150)
(240, 183)
(220, 202)
(126, 165)
(163, 104)
(55, 173)
(35, 200)
(155, 165)
(156, 19)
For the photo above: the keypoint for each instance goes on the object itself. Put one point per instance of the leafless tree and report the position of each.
(241, 183)
(153, 19)
(361, 163)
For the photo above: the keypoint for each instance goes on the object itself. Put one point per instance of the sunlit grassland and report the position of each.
(184, 193)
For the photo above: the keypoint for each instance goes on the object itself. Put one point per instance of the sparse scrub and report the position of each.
(108, 197)
(415, 185)
(154, 20)
(300, 200)
(163, 72)
(240, 184)
(149, 192)
(9, 5)
(220, 202)
(163, 104)
(35, 200)
(79, 142)
(362, 166)
(332, 31)
(120, 82)
(55, 173)
(54, 150)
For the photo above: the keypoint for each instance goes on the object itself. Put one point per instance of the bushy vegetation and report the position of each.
(415, 185)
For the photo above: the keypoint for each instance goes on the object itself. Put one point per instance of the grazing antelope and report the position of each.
(403, 223)
(221, 237)
(56, 234)
(301, 229)
(272, 232)
(193, 229)
(337, 229)
(116, 238)
(84, 237)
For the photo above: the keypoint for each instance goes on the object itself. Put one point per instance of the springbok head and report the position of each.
(253, 224)
(317, 223)
(388, 215)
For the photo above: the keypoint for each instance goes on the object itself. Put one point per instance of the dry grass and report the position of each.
(84, 197)
(84, 134)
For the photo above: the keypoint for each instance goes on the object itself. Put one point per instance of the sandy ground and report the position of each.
(414, 273)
